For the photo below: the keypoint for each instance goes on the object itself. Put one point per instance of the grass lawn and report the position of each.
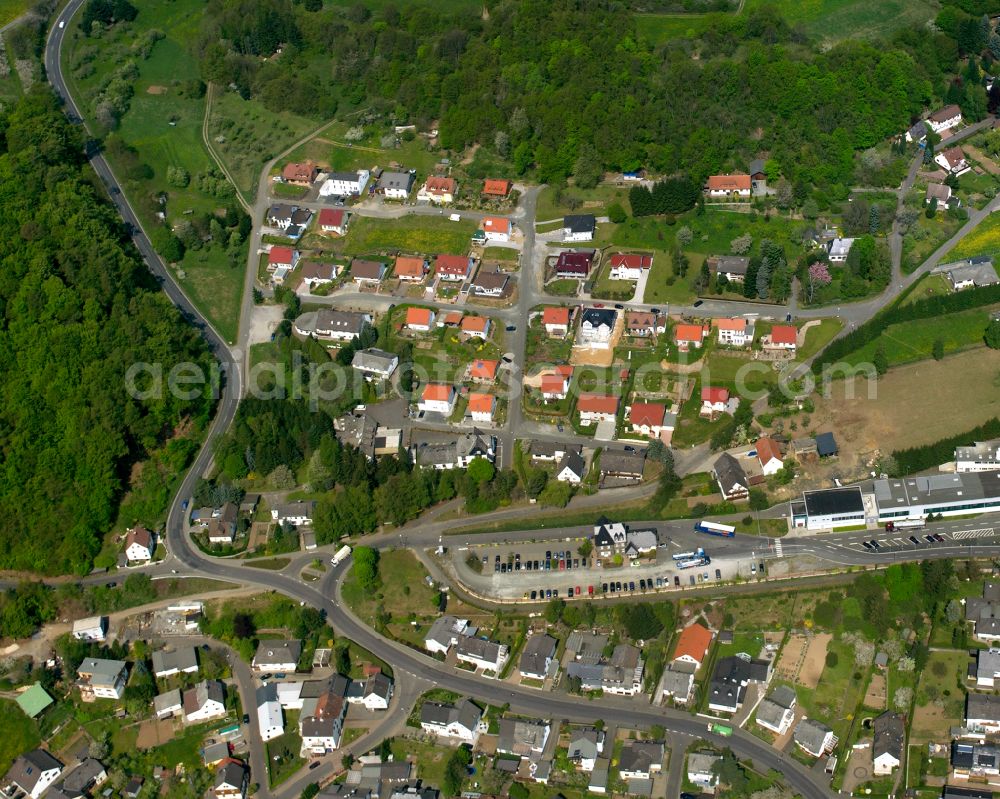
(940, 700)
(543, 348)
(927, 286)
(926, 236)
(817, 337)
(739, 374)
(412, 234)
(504, 255)
(835, 698)
(20, 733)
(691, 428)
(431, 759)
(850, 18)
(10, 86)
(593, 201)
(663, 287)
(984, 240)
(12, 9)
(563, 287)
(286, 749)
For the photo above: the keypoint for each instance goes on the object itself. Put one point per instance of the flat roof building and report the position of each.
(830, 508)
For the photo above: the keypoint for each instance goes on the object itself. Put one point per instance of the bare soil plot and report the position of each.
(791, 658)
(154, 733)
(815, 660)
(875, 695)
(155, 89)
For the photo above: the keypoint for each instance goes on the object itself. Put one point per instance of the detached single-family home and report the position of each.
(297, 513)
(85, 777)
(688, 336)
(31, 774)
(364, 272)
(300, 174)
(270, 717)
(594, 408)
(728, 188)
(453, 267)
(629, 266)
(952, 160)
(734, 332)
(332, 325)
(945, 118)
(982, 713)
(650, 419)
(282, 258)
(321, 723)
(182, 660)
(481, 653)
(714, 400)
(395, 185)
(411, 269)
(814, 737)
(92, 628)
(781, 337)
(139, 545)
(420, 320)
(462, 721)
(556, 321)
(279, 215)
(776, 712)
(491, 283)
(537, 656)
(438, 398)
(643, 324)
(700, 769)
(975, 761)
(497, 228)
(445, 632)
(100, 678)
(837, 249)
(640, 760)
(375, 364)
(574, 264)
(596, 327)
(677, 683)
(571, 468)
(484, 370)
(887, 748)
(937, 191)
(692, 645)
(732, 267)
(482, 406)
(476, 326)
(769, 456)
(731, 478)
(203, 702)
(168, 704)
(554, 387)
(621, 674)
(345, 184)
(493, 187)
(917, 132)
(609, 538)
(522, 737)
(971, 273)
(438, 190)
(317, 274)
(585, 746)
(579, 227)
(231, 780)
(730, 679)
(277, 655)
(376, 693)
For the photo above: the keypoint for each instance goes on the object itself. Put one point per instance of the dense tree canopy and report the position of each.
(79, 308)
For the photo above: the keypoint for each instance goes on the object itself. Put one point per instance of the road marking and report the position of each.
(985, 532)
(777, 547)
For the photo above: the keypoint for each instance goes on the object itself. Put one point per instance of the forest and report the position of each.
(78, 308)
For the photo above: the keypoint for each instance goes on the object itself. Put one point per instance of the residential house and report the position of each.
(574, 264)
(445, 633)
(728, 188)
(222, 526)
(677, 683)
(643, 324)
(482, 406)
(730, 679)
(734, 332)
(203, 702)
(554, 387)
(692, 645)
(438, 398)
(270, 717)
(493, 187)
(551, 451)
(31, 774)
(982, 713)
(375, 364)
(92, 628)
(279, 215)
(714, 400)
(462, 721)
(732, 267)
(954, 792)
(622, 466)
(585, 745)
(321, 723)
(438, 190)
(952, 160)
(345, 184)
(640, 760)
(300, 174)
(804, 446)
(599, 776)
(420, 320)
(579, 227)
(411, 269)
(701, 769)
(887, 748)
(415, 792)
(758, 177)
(458, 454)
(572, 468)
(276, 655)
(982, 456)
(340, 325)
(609, 538)
(297, 513)
(556, 321)
(620, 675)
(629, 266)
(837, 250)
(974, 761)
(282, 257)
(101, 679)
(945, 118)
(491, 283)
(455, 268)
(231, 780)
(481, 653)
(776, 712)
(484, 370)
(182, 660)
(522, 737)
(814, 737)
(395, 185)
(365, 272)
(90, 774)
(938, 191)
(497, 228)
(641, 542)
(594, 408)
(769, 456)
(139, 545)
(537, 656)
(475, 326)
(316, 274)
(596, 327)
(651, 419)
(781, 337)
(731, 478)
(376, 693)
(973, 272)
(917, 132)
(688, 336)
(169, 704)
(826, 445)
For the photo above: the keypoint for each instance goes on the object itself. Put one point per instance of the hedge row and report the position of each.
(921, 309)
(916, 459)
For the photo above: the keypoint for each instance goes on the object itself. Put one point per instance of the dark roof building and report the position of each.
(826, 445)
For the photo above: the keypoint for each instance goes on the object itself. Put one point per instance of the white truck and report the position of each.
(341, 555)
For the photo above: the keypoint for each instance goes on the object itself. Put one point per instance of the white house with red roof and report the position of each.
(728, 187)
(687, 336)
(300, 173)
(692, 645)
(596, 408)
(282, 257)
(953, 161)
(139, 545)
(650, 419)
(554, 387)
(333, 220)
(419, 320)
(482, 406)
(556, 321)
(497, 228)
(734, 332)
(438, 190)
(476, 326)
(781, 337)
(438, 398)
(453, 267)
(769, 456)
(714, 400)
(629, 266)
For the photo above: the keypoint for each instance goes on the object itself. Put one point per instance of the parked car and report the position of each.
(534, 594)
(677, 581)
(590, 590)
(718, 574)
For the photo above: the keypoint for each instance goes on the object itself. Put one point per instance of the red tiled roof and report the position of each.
(481, 403)
(555, 316)
(632, 260)
(475, 324)
(496, 224)
(418, 316)
(299, 171)
(409, 267)
(553, 384)
(783, 334)
(736, 325)
(440, 185)
(728, 183)
(647, 413)
(140, 536)
(440, 392)
(281, 255)
(767, 450)
(693, 641)
(452, 264)
(453, 318)
(714, 394)
(496, 188)
(689, 333)
(597, 403)
(483, 370)
(331, 217)
(565, 371)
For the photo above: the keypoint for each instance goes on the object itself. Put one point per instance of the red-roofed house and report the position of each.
(572, 264)
(650, 419)
(139, 545)
(450, 319)
(628, 266)
(493, 187)
(728, 187)
(692, 645)
(481, 406)
(686, 336)
(953, 160)
(333, 220)
(595, 408)
(478, 326)
(484, 370)
(769, 456)
(411, 269)
(453, 267)
(419, 319)
(438, 398)
(438, 190)
(734, 332)
(300, 174)
(497, 228)
(556, 321)
(781, 337)
(714, 401)
(282, 256)
(554, 387)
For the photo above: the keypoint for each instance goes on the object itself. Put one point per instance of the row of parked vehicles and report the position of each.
(620, 586)
(553, 561)
(929, 538)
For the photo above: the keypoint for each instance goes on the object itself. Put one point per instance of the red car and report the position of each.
(590, 590)
(578, 590)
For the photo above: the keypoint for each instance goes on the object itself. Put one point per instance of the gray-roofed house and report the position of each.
(481, 653)
(586, 647)
(231, 780)
(274, 655)
(85, 777)
(365, 271)
(732, 267)
(328, 324)
(100, 678)
(814, 737)
(621, 674)
(975, 761)
(270, 718)
(32, 773)
(700, 769)
(599, 776)
(939, 192)
(826, 445)
(677, 682)
(982, 713)
(536, 657)
(777, 711)
(579, 227)
(395, 185)
(971, 273)
(522, 737)
(621, 465)
(376, 692)
(462, 721)
(887, 747)
(730, 477)
(215, 753)
(572, 468)
(374, 363)
(445, 633)
(585, 746)
(175, 661)
(168, 704)
(640, 760)
(204, 701)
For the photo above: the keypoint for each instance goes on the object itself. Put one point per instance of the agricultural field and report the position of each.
(984, 240)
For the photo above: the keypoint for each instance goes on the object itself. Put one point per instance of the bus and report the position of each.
(720, 729)
(715, 529)
(688, 555)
